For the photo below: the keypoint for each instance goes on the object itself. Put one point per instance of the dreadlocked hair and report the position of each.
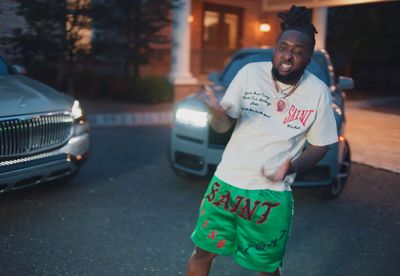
(299, 19)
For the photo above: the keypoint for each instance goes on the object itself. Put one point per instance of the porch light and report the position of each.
(264, 27)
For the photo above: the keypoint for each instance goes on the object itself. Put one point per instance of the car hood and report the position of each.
(21, 95)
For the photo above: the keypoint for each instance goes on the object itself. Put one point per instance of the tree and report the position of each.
(126, 31)
(53, 35)
(366, 38)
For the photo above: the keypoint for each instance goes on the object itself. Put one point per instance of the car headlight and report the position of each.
(191, 117)
(77, 112)
(81, 126)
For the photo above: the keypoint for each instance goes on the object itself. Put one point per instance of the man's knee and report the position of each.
(201, 254)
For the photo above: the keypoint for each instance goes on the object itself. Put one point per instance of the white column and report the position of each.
(180, 65)
(320, 21)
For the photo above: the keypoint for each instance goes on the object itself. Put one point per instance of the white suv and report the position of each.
(43, 133)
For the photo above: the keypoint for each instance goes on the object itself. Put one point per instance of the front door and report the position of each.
(221, 35)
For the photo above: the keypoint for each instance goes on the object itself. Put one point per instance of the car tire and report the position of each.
(339, 182)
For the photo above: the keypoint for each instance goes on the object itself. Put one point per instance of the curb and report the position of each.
(131, 119)
(140, 118)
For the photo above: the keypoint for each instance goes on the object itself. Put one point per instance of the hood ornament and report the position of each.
(23, 102)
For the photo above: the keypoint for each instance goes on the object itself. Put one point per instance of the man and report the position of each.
(247, 210)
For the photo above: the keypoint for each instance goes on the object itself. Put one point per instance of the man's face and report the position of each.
(291, 56)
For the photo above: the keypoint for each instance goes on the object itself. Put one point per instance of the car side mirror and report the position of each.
(214, 76)
(20, 69)
(345, 83)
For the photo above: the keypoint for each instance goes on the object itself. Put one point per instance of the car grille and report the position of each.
(189, 160)
(26, 135)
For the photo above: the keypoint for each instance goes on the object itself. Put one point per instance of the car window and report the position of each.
(4, 68)
(238, 62)
(317, 66)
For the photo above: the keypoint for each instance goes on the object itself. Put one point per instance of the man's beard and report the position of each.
(290, 78)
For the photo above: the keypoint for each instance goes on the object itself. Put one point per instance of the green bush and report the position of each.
(153, 89)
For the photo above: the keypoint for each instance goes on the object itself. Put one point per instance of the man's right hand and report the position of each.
(216, 110)
(220, 121)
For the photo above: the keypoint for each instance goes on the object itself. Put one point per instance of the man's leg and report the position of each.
(276, 273)
(200, 262)
(261, 239)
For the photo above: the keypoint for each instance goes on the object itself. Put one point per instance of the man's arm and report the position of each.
(219, 120)
(308, 159)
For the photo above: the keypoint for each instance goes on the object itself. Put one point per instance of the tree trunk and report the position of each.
(60, 74)
(136, 47)
(71, 78)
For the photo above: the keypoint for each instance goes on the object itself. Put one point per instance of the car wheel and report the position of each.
(338, 183)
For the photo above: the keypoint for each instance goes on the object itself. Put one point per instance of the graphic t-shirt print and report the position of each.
(297, 118)
(256, 102)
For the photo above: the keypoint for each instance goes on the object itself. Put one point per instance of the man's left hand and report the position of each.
(280, 173)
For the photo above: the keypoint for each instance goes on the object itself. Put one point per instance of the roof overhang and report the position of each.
(279, 5)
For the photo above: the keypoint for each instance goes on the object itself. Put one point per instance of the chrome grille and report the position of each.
(27, 135)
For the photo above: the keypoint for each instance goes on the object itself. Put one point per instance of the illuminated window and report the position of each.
(221, 34)
(231, 28)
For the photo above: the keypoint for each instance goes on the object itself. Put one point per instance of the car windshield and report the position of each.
(317, 66)
(5, 69)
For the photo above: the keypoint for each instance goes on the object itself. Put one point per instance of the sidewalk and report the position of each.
(113, 114)
(374, 138)
(373, 133)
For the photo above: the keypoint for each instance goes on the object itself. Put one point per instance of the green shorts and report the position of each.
(251, 225)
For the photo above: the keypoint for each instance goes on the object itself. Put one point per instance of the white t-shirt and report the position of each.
(264, 137)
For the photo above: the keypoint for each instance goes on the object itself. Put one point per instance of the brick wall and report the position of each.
(251, 36)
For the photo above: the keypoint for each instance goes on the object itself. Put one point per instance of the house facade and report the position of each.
(206, 32)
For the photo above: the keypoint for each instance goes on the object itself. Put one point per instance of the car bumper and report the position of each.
(28, 171)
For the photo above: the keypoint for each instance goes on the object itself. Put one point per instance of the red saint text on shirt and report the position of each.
(298, 114)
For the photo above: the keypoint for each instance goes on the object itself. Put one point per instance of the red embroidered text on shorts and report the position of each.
(221, 243)
(212, 234)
